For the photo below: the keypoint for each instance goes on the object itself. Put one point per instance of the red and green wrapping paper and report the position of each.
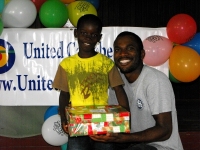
(88, 120)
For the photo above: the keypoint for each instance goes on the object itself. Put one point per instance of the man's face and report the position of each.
(127, 56)
(87, 35)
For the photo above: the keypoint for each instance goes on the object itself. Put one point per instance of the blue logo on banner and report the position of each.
(7, 56)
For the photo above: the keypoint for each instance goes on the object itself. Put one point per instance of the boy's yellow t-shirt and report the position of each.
(87, 79)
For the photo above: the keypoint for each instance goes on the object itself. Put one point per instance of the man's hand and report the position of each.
(109, 137)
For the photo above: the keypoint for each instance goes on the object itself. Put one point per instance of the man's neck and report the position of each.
(132, 76)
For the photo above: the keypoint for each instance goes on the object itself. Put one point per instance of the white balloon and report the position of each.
(52, 131)
(68, 24)
(19, 14)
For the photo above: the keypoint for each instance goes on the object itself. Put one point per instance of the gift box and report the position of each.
(88, 120)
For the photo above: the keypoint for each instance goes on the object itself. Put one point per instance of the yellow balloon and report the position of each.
(79, 8)
(184, 63)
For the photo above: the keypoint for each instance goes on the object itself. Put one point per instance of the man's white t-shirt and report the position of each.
(151, 94)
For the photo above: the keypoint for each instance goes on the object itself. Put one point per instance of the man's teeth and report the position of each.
(124, 61)
(86, 44)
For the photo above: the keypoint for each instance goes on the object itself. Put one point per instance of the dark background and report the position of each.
(157, 13)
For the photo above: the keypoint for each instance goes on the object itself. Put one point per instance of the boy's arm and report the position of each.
(63, 102)
(121, 96)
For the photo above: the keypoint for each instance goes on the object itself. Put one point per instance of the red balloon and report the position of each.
(181, 28)
(38, 4)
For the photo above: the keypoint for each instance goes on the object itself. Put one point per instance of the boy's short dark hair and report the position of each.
(91, 19)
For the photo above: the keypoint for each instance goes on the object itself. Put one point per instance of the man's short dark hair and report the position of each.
(135, 37)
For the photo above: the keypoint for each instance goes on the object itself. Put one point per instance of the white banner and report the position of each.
(29, 59)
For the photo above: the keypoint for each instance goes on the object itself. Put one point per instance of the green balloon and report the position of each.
(1, 26)
(53, 14)
(172, 78)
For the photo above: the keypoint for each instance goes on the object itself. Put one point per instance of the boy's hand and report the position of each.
(64, 126)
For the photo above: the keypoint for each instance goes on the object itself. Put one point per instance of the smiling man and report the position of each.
(151, 99)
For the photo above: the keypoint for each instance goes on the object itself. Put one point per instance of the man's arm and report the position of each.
(63, 102)
(121, 97)
(160, 132)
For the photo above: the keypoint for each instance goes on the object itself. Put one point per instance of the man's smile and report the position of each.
(124, 61)
(86, 44)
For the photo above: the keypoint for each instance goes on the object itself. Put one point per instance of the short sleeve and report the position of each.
(60, 81)
(160, 95)
(115, 77)
(112, 99)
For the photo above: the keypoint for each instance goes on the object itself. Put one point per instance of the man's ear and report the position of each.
(142, 54)
(75, 33)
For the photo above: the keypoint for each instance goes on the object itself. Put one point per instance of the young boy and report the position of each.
(83, 79)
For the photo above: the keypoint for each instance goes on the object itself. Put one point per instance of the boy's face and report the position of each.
(87, 35)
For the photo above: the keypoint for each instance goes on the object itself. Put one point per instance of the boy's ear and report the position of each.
(75, 33)
(100, 37)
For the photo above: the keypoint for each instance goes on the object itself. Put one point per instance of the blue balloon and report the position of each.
(95, 3)
(52, 110)
(64, 146)
(194, 43)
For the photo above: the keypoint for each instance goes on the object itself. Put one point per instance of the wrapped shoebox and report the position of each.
(88, 120)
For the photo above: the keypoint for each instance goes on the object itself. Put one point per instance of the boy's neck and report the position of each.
(87, 55)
